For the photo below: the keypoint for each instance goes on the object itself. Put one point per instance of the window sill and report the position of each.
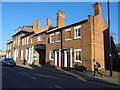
(78, 61)
(51, 42)
(40, 41)
(57, 41)
(77, 37)
(68, 39)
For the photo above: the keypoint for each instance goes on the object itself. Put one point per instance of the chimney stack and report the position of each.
(60, 19)
(49, 22)
(97, 8)
(36, 25)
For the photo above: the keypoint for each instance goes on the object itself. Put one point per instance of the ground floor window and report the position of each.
(51, 55)
(77, 55)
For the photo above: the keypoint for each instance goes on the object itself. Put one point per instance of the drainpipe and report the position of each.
(61, 37)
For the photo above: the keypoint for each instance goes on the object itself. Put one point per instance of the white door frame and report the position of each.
(15, 54)
(65, 58)
(59, 58)
(30, 57)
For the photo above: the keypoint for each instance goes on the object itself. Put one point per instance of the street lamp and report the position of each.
(110, 59)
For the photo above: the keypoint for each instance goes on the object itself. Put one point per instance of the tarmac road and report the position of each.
(21, 77)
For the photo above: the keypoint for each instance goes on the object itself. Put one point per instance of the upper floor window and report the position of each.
(8, 46)
(57, 37)
(77, 32)
(52, 38)
(23, 41)
(19, 41)
(40, 37)
(27, 40)
(14, 42)
(68, 34)
(31, 39)
(77, 55)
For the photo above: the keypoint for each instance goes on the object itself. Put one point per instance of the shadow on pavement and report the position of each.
(51, 69)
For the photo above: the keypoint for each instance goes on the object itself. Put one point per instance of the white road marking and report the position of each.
(44, 76)
(58, 87)
(27, 75)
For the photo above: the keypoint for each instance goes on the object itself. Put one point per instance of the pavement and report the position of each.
(88, 76)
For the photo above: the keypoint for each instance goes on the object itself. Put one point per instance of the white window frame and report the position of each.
(27, 40)
(14, 42)
(23, 41)
(50, 54)
(31, 39)
(8, 46)
(51, 38)
(75, 50)
(57, 32)
(67, 30)
(77, 27)
(40, 36)
(18, 41)
(68, 39)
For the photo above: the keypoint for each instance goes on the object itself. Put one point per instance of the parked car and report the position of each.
(80, 68)
(2, 57)
(8, 62)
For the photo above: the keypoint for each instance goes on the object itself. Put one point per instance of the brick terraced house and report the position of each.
(61, 46)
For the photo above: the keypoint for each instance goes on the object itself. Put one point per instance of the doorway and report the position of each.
(57, 59)
(41, 49)
(67, 58)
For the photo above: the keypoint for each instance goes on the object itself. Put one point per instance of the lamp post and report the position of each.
(110, 59)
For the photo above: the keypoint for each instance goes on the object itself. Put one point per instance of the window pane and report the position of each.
(76, 33)
(79, 55)
(52, 38)
(40, 37)
(79, 32)
(59, 36)
(51, 54)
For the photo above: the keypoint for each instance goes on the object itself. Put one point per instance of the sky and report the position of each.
(15, 14)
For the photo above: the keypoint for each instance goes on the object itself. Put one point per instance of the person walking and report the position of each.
(96, 68)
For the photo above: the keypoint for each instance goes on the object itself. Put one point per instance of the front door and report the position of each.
(42, 56)
(57, 59)
(67, 58)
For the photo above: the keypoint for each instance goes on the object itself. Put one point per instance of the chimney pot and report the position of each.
(49, 22)
(97, 8)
